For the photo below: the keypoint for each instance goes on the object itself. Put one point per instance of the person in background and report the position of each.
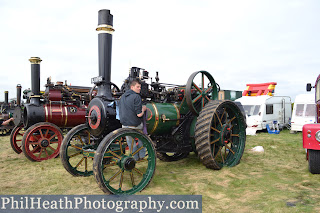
(5, 123)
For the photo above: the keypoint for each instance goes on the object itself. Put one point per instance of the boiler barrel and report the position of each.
(65, 115)
(59, 114)
(162, 117)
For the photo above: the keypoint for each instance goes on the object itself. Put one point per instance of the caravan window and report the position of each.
(269, 109)
(251, 109)
(311, 110)
(299, 109)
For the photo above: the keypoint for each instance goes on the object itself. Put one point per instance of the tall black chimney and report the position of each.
(105, 30)
(35, 80)
(19, 95)
(6, 98)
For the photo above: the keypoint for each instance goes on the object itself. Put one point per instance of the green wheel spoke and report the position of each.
(138, 150)
(229, 122)
(197, 98)
(121, 179)
(212, 142)
(210, 88)
(120, 145)
(230, 149)
(202, 81)
(215, 130)
(138, 171)
(74, 155)
(76, 147)
(114, 154)
(82, 159)
(132, 178)
(218, 118)
(197, 88)
(115, 175)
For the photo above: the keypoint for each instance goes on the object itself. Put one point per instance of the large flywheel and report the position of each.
(200, 89)
(220, 134)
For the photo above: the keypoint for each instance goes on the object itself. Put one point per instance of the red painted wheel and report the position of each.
(16, 138)
(42, 141)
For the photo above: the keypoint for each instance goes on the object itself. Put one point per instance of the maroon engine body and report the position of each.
(62, 105)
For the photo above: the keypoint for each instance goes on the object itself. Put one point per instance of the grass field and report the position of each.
(274, 181)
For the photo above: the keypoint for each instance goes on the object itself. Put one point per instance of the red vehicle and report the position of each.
(311, 134)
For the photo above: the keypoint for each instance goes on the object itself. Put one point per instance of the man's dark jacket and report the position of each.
(130, 105)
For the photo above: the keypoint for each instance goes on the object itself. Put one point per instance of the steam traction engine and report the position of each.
(311, 134)
(180, 119)
(61, 106)
(6, 111)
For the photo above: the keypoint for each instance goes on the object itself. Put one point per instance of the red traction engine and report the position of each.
(311, 134)
(38, 133)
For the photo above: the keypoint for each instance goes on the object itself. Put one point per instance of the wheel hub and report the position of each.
(44, 143)
(128, 163)
(225, 134)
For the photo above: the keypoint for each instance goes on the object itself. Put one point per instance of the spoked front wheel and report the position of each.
(124, 162)
(75, 151)
(42, 141)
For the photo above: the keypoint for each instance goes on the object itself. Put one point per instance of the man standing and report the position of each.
(131, 112)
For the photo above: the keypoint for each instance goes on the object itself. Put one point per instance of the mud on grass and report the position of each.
(274, 181)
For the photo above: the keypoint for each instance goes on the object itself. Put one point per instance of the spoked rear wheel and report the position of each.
(16, 138)
(117, 167)
(220, 134)
(72, 153)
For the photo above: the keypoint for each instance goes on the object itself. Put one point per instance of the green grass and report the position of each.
(277, 180)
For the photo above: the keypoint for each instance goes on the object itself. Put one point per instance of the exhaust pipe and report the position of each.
(34, 112)
(35, 80)
(19, 95)
(105, 30)
(6, 98)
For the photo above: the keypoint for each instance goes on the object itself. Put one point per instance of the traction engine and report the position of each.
(39, 124)
(180, 119)
(6, 111)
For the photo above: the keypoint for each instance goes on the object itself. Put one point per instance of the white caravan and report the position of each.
(265, 109)
(304, 111)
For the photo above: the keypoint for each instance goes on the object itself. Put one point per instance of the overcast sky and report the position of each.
(238, 42)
